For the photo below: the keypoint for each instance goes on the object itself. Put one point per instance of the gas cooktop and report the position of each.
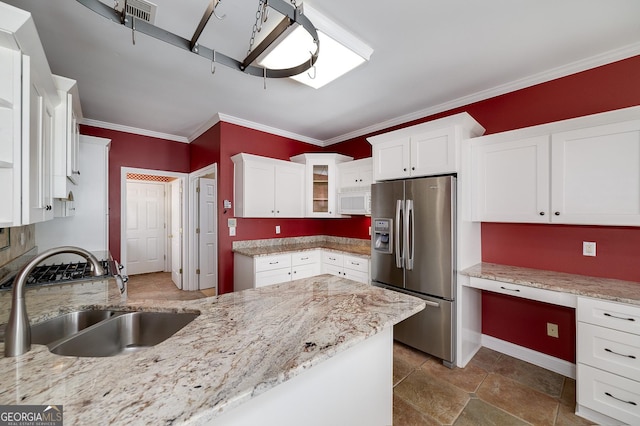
(62, 273)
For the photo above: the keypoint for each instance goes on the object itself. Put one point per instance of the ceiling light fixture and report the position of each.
(341, 51)
(292, 15)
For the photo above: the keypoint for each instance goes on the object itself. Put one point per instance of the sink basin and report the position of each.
(66, 325)
(123, 333)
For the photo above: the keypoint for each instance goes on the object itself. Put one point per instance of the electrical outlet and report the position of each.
(588, 248)
(369, 231)
(552, 330)
(277, 229)
(232, 231)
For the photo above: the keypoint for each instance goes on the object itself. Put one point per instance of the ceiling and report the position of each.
(428, 56)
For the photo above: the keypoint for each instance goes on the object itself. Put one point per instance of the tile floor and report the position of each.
(493, 389)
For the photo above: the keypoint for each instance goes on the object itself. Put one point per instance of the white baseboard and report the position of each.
(557, 365)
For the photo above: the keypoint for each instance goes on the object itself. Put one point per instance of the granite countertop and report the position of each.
(241, 345)
(581, 285)
(352, 249)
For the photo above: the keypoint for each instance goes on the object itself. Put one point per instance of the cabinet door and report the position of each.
(433, 153)
(511, 181)
(596, 175)
(322, 178)
(349, 175)
(289, 190)
(305, 271)
(258, 189)
(274, 276)
(10, 136)
(36, 158)
(391, 159)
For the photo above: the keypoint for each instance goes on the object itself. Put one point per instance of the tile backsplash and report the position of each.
(21, 240)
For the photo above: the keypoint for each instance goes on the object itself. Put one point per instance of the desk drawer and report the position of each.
(617, 316)
(609, 394)
(609, 350)
(533, 293)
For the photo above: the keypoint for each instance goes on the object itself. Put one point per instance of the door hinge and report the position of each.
(197, 189)
(197, 271)
(180, 271)
(197, 230)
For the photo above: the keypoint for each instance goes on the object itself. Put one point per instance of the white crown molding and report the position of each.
(134, 130)
(563, 71)
(268, 129)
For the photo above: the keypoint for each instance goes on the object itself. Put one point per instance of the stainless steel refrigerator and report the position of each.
(413, 251)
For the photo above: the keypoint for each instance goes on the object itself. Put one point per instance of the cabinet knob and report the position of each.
(541, 213)
(413, 168)
(76, 172)
(557, 213)
(278, 211)
(272, 211)
(405, 169)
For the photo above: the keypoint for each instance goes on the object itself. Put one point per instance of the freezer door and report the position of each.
(430, 236)
(387, 202)
(430, 330)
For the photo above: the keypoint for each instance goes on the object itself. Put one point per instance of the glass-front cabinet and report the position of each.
(321, 183)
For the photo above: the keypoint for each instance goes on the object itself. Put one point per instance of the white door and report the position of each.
(175, 236)
(208, 237)
(146, 233)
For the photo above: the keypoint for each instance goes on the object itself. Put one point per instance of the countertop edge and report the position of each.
(610, 289)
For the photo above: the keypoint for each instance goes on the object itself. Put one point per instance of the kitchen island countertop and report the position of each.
(241, 345)
(580, 285)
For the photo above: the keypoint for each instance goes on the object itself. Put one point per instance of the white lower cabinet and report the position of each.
(260, 271)
(608, 361)
(351, 267)
(254, 272)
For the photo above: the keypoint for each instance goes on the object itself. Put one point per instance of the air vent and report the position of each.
(141, 9)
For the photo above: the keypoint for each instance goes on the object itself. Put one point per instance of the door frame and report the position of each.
(192, 259)
(123, 214)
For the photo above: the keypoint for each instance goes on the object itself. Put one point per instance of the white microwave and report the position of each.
(354, 202)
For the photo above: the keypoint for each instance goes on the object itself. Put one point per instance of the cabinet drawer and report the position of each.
(273, 276)
(609, 394)
(266, 263)
(356, 263)
(516, 290)
(609, 314)
(305, 257)
(331, 258)
(610, 350)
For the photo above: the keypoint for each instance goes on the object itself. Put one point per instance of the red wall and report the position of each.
(130, 150)
(524, 322)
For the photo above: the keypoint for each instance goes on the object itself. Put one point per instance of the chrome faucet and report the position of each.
(17, 335)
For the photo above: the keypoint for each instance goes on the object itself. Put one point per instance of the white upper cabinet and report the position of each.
(28, 101)
(596, 175)
(66, 169)
(267, 187)
(511, 180)
(430, 148)
(321, 187)
(356, 174)
(588, 175)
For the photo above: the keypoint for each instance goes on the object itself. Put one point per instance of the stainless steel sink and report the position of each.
(66, 325)
(122, 333)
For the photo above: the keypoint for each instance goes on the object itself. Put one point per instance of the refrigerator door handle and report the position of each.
(398, 248)
(409, 242)
(432, 304)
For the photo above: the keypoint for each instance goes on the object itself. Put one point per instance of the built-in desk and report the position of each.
(607, 369)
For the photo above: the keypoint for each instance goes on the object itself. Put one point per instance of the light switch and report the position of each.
(232, 223)
(277, 229)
